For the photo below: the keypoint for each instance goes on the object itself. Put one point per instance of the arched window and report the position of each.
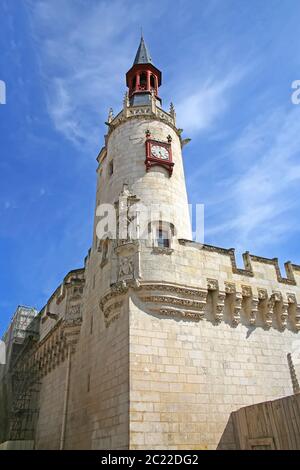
(152, 81)
(161, 234)
(133, 83)
(143, 81)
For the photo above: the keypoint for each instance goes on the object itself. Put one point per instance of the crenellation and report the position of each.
(250, 263)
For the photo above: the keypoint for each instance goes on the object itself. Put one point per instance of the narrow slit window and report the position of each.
(143, 81)
(162, 237)
(152, 81)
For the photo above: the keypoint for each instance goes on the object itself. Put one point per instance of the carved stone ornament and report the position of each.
(254, 310)
(246, 291)
(262, 294)
(212, 284)
(185, 302)
(230, 288)
(126, 267)
(284, 314)
(186, 314)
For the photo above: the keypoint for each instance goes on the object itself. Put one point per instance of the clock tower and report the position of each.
(140, 184)
(143, 157)
(157, 339)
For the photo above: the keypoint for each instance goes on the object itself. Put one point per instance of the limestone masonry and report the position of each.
(155, 341)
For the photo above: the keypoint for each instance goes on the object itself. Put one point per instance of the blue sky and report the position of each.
(227, 65)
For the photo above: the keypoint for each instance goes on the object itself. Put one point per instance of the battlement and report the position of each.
(250, 269)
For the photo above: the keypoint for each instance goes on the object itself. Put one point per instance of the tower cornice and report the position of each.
(143, 112)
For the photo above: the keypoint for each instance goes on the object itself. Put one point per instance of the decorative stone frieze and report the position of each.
(174, 301)
(186, 314)
(189, 302)
(112, 313)
(143, 111)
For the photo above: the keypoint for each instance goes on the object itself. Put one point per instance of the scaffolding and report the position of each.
(22, 375)
(25, 385)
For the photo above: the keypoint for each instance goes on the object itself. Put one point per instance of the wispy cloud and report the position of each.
(202, 109)
(82, 50)
(267, 169)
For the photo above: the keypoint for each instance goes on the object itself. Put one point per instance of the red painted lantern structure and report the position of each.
(143, 78)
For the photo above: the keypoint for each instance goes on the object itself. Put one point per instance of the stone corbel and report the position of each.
(254, 310)
(267, 305)
(274, 299)
(237, 297)
(283, 317)
(294, 309)
(219, 302)
(212, 284)
(221, 296)
(270, 311)
(251, 304)
(237, 308)
(277, 297)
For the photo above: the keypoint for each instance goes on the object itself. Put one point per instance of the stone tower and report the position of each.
(140, 167)
(158, 338)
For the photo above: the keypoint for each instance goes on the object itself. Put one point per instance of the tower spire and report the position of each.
(142, 56)
(143, 79)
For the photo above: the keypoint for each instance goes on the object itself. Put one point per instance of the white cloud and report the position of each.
(82, 51)
(261, 206)
(200, 110)
(82, 47)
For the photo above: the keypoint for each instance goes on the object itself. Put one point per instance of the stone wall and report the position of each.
(99, 387)
(51, 401)
(186, 377)
(166, 343)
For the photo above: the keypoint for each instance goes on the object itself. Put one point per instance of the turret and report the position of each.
(143, 78)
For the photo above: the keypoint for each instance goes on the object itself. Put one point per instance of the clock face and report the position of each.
(160, 152)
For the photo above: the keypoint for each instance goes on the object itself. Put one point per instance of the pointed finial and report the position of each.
(142, 55)
(142, 32)
(126, 100)
(172, 109)
(110, 115)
